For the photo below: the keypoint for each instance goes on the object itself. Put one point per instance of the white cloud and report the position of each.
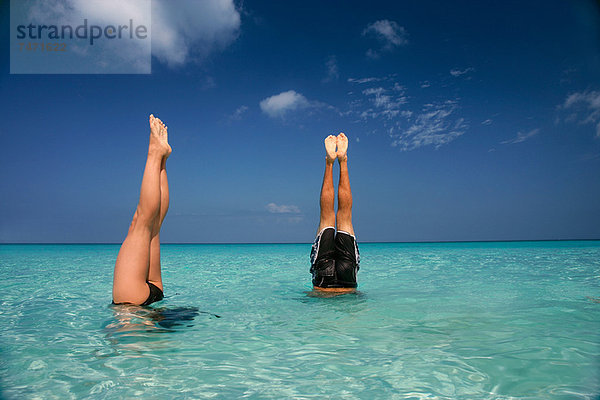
(237, 114)
(182, 31)
(74, 11)
(373, 54)
(362, 80)
(333, 72)
(278, 105)
(458, 72)
(388, 33)
(399, 88)
(486, 122)
(585, 107)
(208, 82)
(107, 54)
(376, 91)
(425, 84)
(568, 75)
(386, 107)
(191, 29)
(282, 208)
(386, 102)
(434, 126)
(521, 137)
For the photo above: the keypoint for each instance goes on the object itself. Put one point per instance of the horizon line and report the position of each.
(270, 243)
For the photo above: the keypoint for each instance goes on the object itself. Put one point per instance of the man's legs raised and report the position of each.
(327, 198)
(344, 212)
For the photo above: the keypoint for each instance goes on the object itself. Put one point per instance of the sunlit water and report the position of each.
(430, 321)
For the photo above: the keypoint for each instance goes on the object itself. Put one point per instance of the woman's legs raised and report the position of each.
(133, 262)
(154, 275)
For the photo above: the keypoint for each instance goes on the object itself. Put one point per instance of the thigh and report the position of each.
(347, 259)
(346, 248)
(322, 257)
(344, 222)
(131, 268)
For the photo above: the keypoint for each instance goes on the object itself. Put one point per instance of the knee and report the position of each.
(328, 214)
(344, 207)
(133, 220)
(144, 219)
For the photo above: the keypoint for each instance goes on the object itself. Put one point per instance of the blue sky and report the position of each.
(467, 121)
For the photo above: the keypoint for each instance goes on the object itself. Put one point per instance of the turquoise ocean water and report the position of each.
(516, 320)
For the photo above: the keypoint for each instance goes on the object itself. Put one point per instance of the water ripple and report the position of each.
(432, 321)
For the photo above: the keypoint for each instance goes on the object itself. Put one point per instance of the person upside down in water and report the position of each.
(137, 278)
(334, 255)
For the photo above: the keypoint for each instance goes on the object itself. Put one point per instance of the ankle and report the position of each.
(156, 153)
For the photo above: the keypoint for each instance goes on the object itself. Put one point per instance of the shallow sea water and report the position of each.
(514, 320)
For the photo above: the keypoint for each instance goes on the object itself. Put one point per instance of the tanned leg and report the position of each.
(133, 261)
(327, 199)
(344, 213)
(154, 275)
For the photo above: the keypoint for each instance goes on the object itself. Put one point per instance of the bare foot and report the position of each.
(330, 143)
(164, 136)
(342, 147)
(159, 137)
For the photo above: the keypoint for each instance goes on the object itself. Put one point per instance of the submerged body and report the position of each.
(334, 255)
